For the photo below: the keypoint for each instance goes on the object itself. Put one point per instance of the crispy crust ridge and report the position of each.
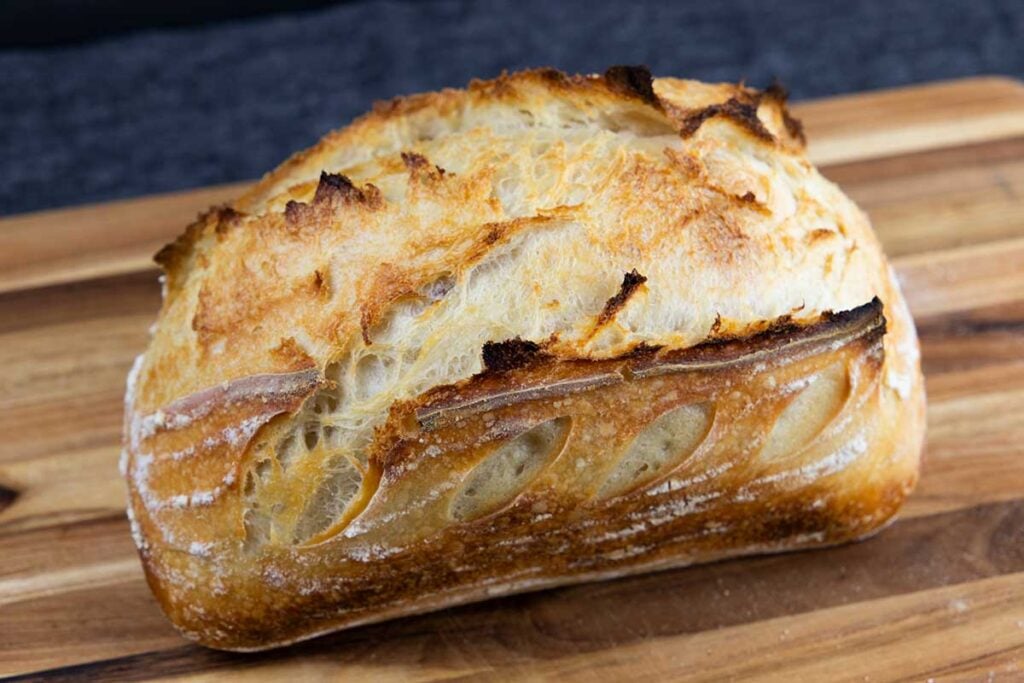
(631, 282)
(635, 81)
(782, 337)
(739, 112)
(268, 388)
(632, 82)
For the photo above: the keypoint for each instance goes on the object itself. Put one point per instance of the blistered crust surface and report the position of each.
(524, 201)
(431, 253)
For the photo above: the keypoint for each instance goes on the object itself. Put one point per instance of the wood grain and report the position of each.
(926, 553)
(921, 202)
(69, 245)
(938, 594)
(968, 629)
(905, 120)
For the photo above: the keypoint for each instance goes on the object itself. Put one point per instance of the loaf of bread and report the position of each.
(544, 330)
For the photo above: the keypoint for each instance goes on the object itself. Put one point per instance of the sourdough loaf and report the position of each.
(545, 329)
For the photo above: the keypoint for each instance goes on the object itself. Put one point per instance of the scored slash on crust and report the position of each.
(782, 339)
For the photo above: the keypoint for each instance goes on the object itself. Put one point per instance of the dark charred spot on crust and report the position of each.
(633, 81)
(794, 127)
(294, 211)
(742, 110)
(716, 327)
(553, 76)
(221, 217)
(7, 497)
(784, 329)
(742, 113)
(778, 92)
(631, 281)
(226, 218)
(641, 350)
(782, 324)
(337, 187)
(779, 327)
(418, 164)
(748, 200)
(167, 255)
(318, 280)
(414, 161)
(873, 308)
(511, 354)
(333, 184)
(222, 214)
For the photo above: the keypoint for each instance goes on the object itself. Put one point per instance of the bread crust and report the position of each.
(547, 329)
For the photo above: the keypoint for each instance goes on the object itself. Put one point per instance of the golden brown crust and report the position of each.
(587, 320)
(718, 502)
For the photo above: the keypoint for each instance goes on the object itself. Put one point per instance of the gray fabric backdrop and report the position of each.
(158, 110)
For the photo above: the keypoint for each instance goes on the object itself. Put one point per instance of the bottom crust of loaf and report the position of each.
(458, 598)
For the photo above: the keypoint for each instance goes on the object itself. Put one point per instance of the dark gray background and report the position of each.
(140, 108)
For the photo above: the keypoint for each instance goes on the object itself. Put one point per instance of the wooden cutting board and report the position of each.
(940, 594)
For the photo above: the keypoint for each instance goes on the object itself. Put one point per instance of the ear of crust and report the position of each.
(176, 258)
(634, 81)
(737, 103)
